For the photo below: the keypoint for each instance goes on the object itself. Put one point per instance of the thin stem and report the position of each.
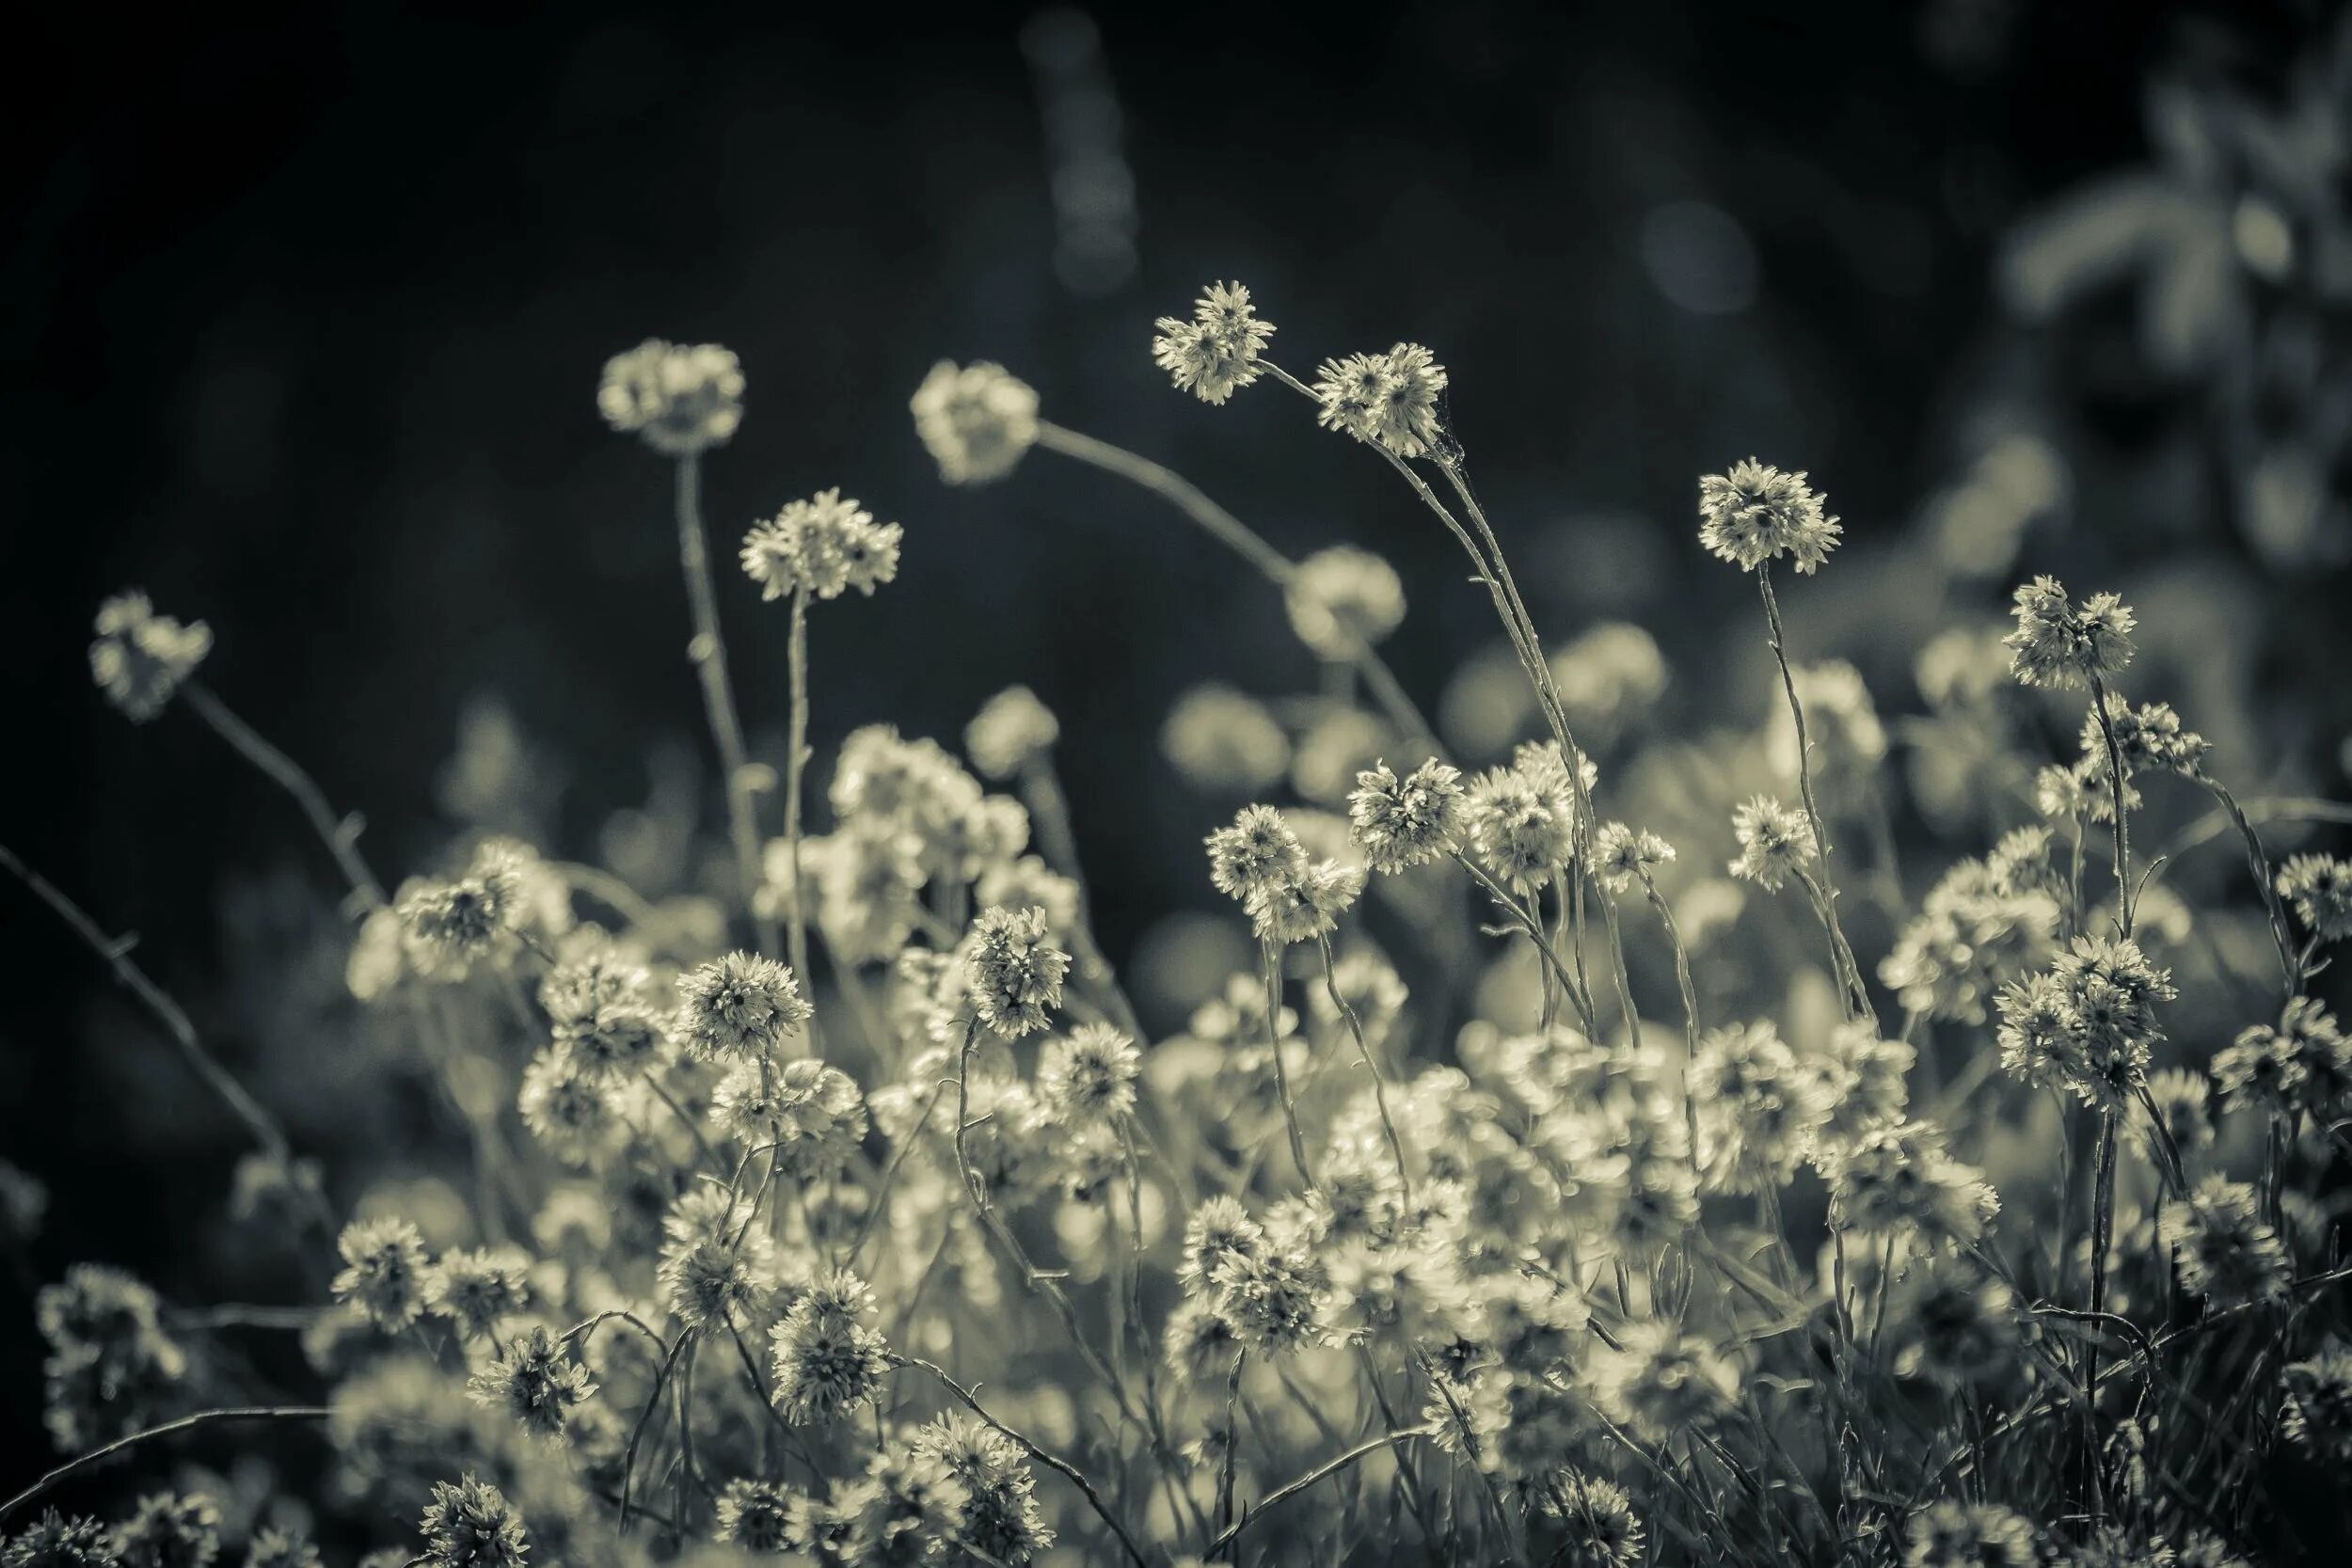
(1233, 1444)
(2291, 968)
(1689, 1015)
(341, 834)
(2116, 785)
(1379, 1080)
(1858, 996)
(795, 764)
(1535, 935)
(2101, 1232)
(707, 652)
(1235, 535)
(115, 952)
(970, 1399)
(201, 1417)
(1273, 986)
(1321, 1472)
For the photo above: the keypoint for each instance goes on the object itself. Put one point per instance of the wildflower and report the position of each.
(386, 1273)
(1952, 1322)
(142, 658)
(742, 1007)
(1274, 1302)
(535, 1381)
(1089, 1077)
(1865, 1078)
(2299, 1063)
(1755, 512)
(569, 1109)
(827, 1358)
(812, 1113)
(707, 1280)
(1406, 411)
(170, 1529)
(1759, 1107)
(1774, 841)
(1012, 730)
(1661, 1382)
(1307, 905)
(1521, 825)
(2183, 1106)
(475, 1289)
(273, 1548)
(1623, 855)
(1015, 973)
(2061, 643)
(1403, 824)
(446, 926)
(1224, 741)
(1898, 1180)
(2087, 1022)
(762, 1516)
(601, 1007)
(1259, 851)
(821, 547)
(2317, 1414)
(2320, 888)
(1971, 1535)
(1586, 1520)
(1983, 923)
(2221, 1247)
(2147, 739)
(1216, 352)
(1199, 1343)
(997, 1511)
(471, 1525)
(976, 421)
(681, 400)
(59, 1541)
(1343, 600)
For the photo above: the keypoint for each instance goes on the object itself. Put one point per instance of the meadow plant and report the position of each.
(867, 1223)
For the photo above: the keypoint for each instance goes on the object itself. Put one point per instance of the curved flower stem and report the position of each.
(1321, 1472)
(1237, 537)
(201, 1417)
(708, 654)
(1535, 931)
(2257, 862)
(1233, 1444)
(1849, 971)
(115, 952)
(1379, 1079)
(969, 1399)
(341, 834)
(795, 765)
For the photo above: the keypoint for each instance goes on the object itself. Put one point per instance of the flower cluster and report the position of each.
(821, 547)
(1216, 352)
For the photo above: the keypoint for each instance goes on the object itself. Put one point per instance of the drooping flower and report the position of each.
(1215, 354)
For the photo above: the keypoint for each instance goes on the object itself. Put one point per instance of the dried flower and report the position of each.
(1755, 512)
(471, 1525)
(1216, 352)
(1401, 824)
(1015, 973)
(740, 1006)
(386, 1273)
(2059, 643)
(1775, 842)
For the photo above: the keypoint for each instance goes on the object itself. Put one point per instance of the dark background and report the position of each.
(304, 307)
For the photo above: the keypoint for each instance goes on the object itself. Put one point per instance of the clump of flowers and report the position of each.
(2063, 642)
(1216, 352)
(1753, 513)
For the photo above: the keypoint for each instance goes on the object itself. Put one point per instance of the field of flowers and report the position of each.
(853, 1215)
